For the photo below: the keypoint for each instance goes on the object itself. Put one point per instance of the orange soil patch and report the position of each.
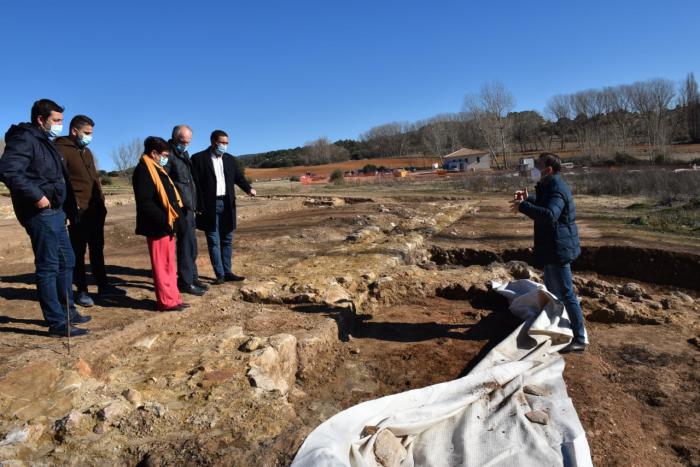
(392, 163)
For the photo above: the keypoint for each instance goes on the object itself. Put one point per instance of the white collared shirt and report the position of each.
(218, 162)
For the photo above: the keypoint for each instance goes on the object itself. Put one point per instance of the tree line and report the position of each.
(596, 122)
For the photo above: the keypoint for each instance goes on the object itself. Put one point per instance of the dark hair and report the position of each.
(177, 128)
(43, 108)
(155, 143)
(80, 121)
(216, 134)
(550, 159)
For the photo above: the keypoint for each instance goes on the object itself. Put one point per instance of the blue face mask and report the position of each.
(221, 148)
(55, 131)
(163, 161)
(84, 140)
(182, 147)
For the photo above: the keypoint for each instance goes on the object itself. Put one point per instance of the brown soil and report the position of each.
(371, 314)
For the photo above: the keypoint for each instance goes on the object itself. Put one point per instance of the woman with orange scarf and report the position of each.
(158, 208)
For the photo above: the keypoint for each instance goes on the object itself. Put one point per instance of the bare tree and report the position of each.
(651, 100)
(526, 128)
(489, 109)
(127, 155)
(322, 151)
(690, 101)
(559, 109)
(618, 111)
(441, 134)
(583, 107)
(389, 139)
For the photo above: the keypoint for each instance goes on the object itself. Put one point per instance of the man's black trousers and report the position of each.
(186, 246)
(89, 232)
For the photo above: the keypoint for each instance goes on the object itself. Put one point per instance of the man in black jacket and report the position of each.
(216, 174)
(180, 170)
(35, 173)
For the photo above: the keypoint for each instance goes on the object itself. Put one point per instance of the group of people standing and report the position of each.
(54, 183)
(177, 194)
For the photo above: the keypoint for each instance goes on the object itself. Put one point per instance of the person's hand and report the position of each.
(521, 195)
(253, 193)
(43, 203)
(515, 206)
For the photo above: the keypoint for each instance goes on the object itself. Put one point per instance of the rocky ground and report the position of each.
(347, 299)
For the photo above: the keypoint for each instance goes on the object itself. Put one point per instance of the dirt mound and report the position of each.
(645, 264)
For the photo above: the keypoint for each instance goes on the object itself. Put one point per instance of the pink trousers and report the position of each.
(164, 265)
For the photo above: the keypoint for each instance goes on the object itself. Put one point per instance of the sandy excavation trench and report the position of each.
(347, 300)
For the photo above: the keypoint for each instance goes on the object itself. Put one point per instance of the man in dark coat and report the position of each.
(180, 170)
(34, 171)
(88, 227)
(556, 238)
(216, 174)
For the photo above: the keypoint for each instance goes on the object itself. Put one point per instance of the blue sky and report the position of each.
(278, 74)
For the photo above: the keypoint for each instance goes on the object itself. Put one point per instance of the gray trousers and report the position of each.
(186, 248)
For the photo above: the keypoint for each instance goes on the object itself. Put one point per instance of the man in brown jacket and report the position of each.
(87, 226)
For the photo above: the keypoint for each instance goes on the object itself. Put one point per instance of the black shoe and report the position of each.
(110, 291)
(218, 281)
(77, 318)
(62, 331)
(200, 284)
(231, 277)
(575, 347)
(192, 290)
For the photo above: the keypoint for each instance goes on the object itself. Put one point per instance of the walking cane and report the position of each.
(67, 305)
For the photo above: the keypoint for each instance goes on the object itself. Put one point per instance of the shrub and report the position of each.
(105, 180)
(337, 177)
(654, 183)
(294, 178)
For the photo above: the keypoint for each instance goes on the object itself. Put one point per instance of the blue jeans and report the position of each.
(54, 261)
(559, 281)
(220, 244)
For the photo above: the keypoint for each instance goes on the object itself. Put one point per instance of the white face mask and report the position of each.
(55, 131)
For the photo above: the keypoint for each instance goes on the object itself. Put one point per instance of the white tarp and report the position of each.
(483, 419)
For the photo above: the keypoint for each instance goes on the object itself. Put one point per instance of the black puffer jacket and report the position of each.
(151, 215)
(32, 167)
(554, 213)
